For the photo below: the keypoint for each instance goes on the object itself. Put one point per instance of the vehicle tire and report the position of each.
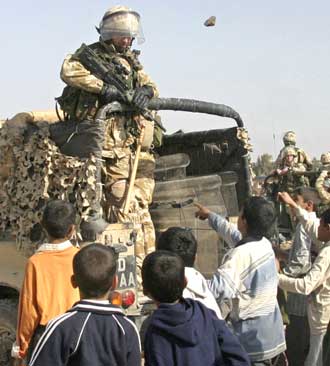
(8, 316)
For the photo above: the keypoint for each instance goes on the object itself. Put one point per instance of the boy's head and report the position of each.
(306, 198)
(181, 241)
(59, 219)
(163, 276)
(323, 233)
(94, 270)
(257, 218)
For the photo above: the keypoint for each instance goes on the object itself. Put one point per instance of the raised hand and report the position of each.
(202, 213)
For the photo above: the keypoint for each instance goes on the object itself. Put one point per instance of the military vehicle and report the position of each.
(209, 167)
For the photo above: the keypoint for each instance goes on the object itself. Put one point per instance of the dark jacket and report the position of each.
(92, 333)
(189, 334)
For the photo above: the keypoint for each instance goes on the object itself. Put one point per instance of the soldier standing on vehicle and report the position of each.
(290, 171)
(87, 92)
(290, 176)
(289, 139)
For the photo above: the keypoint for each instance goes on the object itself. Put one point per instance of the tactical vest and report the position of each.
(290, 182)
(79, 104)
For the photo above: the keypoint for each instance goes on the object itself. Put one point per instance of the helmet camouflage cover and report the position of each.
(121, 21)
(289, 151)
(289, 138)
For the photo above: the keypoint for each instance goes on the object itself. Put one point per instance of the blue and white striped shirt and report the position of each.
(248, 277)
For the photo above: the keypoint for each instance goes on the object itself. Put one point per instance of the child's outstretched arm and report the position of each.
(228, 232)
(319, 273)
(310, 225)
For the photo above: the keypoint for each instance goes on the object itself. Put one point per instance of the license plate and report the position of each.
(126, 271)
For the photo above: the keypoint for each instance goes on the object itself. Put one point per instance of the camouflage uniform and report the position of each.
(322, 183)
(289, 139)
(325, 161)
(122, 132)
(293, 178)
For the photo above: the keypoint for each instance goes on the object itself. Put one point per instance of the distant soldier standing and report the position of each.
(289, 139)
(325, 161)
(291, 172)
(86, 93)
(322, 183)
(290, 175)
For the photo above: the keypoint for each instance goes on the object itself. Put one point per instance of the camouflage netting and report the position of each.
(243, 135)
(32, 171)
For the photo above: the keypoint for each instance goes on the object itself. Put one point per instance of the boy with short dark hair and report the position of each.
(315, 283)
(47, 290)
(183, 331)
(93, 332)
(298, 264)
(248, 277)
(180, 240)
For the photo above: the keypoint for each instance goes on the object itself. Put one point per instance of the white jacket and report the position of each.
(310, 225)
(316, 284)
(197, 289)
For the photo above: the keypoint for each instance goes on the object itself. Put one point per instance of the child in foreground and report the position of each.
(315, 283)
(183, 331)
(47, 290)
(93, 332)
(248, 277)
(299, 263)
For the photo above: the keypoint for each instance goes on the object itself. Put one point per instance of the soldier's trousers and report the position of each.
(116, 186)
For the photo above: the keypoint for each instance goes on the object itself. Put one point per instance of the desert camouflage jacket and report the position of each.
(118, 131)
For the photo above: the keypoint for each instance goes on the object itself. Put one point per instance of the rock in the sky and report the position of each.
(210, 22)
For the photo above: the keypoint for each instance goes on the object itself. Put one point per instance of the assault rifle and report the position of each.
(109, 73)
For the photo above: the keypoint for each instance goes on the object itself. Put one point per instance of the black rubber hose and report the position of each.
(195, 106)
(198, 106)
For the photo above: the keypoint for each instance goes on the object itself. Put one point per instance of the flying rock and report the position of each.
(210, 22)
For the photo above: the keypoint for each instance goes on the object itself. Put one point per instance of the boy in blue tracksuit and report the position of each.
(183, 331)
(93, 332)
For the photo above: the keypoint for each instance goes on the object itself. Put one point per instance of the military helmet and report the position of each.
(325, 158)
(289, 150)
(289, 138)
(121, 21)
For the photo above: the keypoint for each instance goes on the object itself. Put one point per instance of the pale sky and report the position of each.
(269, 60)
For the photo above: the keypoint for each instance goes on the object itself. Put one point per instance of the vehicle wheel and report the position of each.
(8, 316)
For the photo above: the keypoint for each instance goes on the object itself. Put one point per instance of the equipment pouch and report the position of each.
(158, 134)
(148, 135)
(78, 104)
(87, 106)
(68, 101)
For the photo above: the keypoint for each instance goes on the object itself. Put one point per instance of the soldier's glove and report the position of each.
(142, 96)
(109, 93)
